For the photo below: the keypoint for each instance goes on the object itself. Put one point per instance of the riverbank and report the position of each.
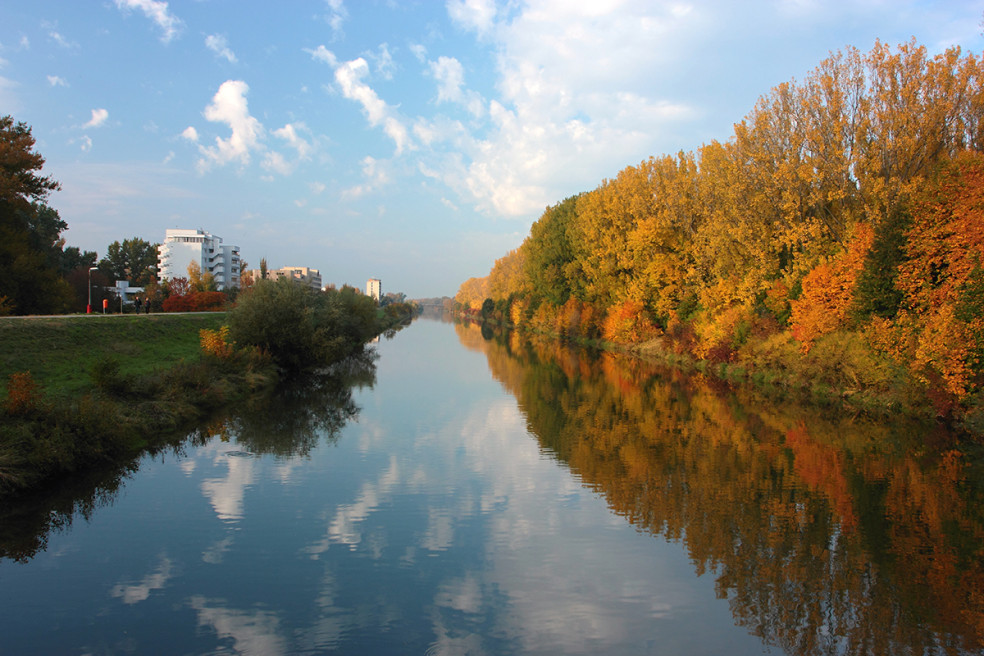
(82, 390)
(77, 391)
(840, 372)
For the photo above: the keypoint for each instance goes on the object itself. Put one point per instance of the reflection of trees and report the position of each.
(290, 422)
(300, 414)
(826, 536)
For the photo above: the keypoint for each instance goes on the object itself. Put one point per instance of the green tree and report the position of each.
(302, 329)
(134, 260)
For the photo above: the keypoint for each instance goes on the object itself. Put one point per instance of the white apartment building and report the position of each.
(374, 289)
(182, 247)
(305, 275)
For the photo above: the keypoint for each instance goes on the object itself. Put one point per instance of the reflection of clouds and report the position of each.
(463, 594)
(562, 562)
(345, 527)
(284, 470)
(188, 466)
(215, 553)
(331, 625)
(226, 494)
(135, 593)
(252, 632)
(439, 535)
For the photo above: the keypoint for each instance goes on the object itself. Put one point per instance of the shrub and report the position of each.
(106, 375)
(301, 328)
(23, 393)
(215, 342)
(629, 323)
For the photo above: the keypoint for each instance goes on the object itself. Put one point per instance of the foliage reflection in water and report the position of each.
(827, 534)
(509, 497)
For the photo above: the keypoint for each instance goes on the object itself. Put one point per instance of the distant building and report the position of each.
(182, 247)
(306, 275)
(374, 289)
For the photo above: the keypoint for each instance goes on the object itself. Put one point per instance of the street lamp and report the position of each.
(88, 308)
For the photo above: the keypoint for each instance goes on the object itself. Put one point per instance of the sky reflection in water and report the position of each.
(429, 520)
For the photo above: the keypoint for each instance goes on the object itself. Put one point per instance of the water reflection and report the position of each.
(823, 532)
(447, 518)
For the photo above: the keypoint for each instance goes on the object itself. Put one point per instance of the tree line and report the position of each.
(840, 227)
(41, 274)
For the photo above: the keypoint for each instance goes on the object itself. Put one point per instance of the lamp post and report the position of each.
(88, 308)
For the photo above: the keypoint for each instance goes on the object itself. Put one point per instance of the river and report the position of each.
(467, 493)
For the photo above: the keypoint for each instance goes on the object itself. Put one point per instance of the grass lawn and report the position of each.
(60, 352)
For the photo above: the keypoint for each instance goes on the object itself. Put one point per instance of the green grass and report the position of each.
(60, 352)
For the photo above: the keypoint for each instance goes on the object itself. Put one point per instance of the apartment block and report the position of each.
(374, 289)
(305, 275)
(182, 247)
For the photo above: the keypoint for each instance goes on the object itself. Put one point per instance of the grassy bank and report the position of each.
(61, 352)
(78, 391)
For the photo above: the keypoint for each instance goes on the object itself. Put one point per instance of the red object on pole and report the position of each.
(88, 309)
(105, 304)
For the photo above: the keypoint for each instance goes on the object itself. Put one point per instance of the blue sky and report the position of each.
(413, 142)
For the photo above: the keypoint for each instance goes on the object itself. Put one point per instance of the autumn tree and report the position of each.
(30, 245)
(199, 280)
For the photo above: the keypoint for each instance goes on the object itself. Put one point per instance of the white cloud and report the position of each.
(62, 41)
(383, 62)
(168, 157)
(336, 14)
(450, 76)
(419, 51)
(99, 117)
(289, 134)
(277, 163)
(157, 11)
(229, 106)
(190, 133)
(376, 175)
(86, 143)
(323, 55)
(576, 86)
(317, 188)
(218, 44)
(477, 15)
(56, 81)
(349, 77)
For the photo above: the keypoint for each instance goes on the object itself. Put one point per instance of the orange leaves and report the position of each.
(946, 240)
(629, 323)
(23, 393)
(473, 293)
(828, 291)
(215, 342)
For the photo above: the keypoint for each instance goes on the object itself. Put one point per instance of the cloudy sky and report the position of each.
(411, 141)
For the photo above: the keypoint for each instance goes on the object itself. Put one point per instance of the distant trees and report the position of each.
(133, 260)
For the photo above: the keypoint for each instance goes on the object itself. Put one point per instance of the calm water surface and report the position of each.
(493, 496)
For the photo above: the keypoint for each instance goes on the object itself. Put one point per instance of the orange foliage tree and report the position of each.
(828, 291)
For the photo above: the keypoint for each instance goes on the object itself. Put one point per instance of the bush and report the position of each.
(301, 328)
(23, 394)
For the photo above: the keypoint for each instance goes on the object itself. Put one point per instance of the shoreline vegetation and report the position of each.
(831, 249)
(78, 391)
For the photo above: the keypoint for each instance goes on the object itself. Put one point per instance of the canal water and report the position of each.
(470, 493)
